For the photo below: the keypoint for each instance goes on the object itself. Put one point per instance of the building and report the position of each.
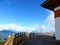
(54, 5)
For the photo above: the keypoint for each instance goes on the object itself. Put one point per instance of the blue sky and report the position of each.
(25, 12)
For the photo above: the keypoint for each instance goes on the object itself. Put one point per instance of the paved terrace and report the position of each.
(41, 40)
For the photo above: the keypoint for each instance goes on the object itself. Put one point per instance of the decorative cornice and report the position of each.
(57, 8)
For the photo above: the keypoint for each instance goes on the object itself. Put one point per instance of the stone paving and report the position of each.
(41, 40)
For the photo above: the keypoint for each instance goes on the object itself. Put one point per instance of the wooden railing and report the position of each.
(17, 38)
(10, 40)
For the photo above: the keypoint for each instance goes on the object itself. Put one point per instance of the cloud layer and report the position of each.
(15, 27)
(48, 27)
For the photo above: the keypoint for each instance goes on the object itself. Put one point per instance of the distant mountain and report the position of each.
(5, 33)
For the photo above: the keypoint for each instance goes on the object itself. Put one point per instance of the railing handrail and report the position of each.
(13, 40)
(7, 43)
(10, 40)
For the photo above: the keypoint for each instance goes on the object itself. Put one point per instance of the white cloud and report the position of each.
(16, 27)
(43, 28)
(20, 28)
(49, 26)
(50, 22)
(39, 28)
(30, 29)
(1, 26)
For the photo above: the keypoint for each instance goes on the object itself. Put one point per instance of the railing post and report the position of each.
(13, 36)
(10, 40)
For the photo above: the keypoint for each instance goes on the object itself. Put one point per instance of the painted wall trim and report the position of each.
(57, 8)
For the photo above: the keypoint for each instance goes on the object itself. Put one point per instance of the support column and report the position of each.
(57, 22)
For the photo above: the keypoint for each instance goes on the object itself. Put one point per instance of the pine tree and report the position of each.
(0, 36)
(5, 39)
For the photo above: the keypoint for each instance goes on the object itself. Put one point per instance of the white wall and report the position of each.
(57, 27)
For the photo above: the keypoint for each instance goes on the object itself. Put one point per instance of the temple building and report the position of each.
(54, 5)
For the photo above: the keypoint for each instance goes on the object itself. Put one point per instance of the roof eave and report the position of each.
(44, 5)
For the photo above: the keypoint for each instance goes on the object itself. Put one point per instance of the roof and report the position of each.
(51, 4)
